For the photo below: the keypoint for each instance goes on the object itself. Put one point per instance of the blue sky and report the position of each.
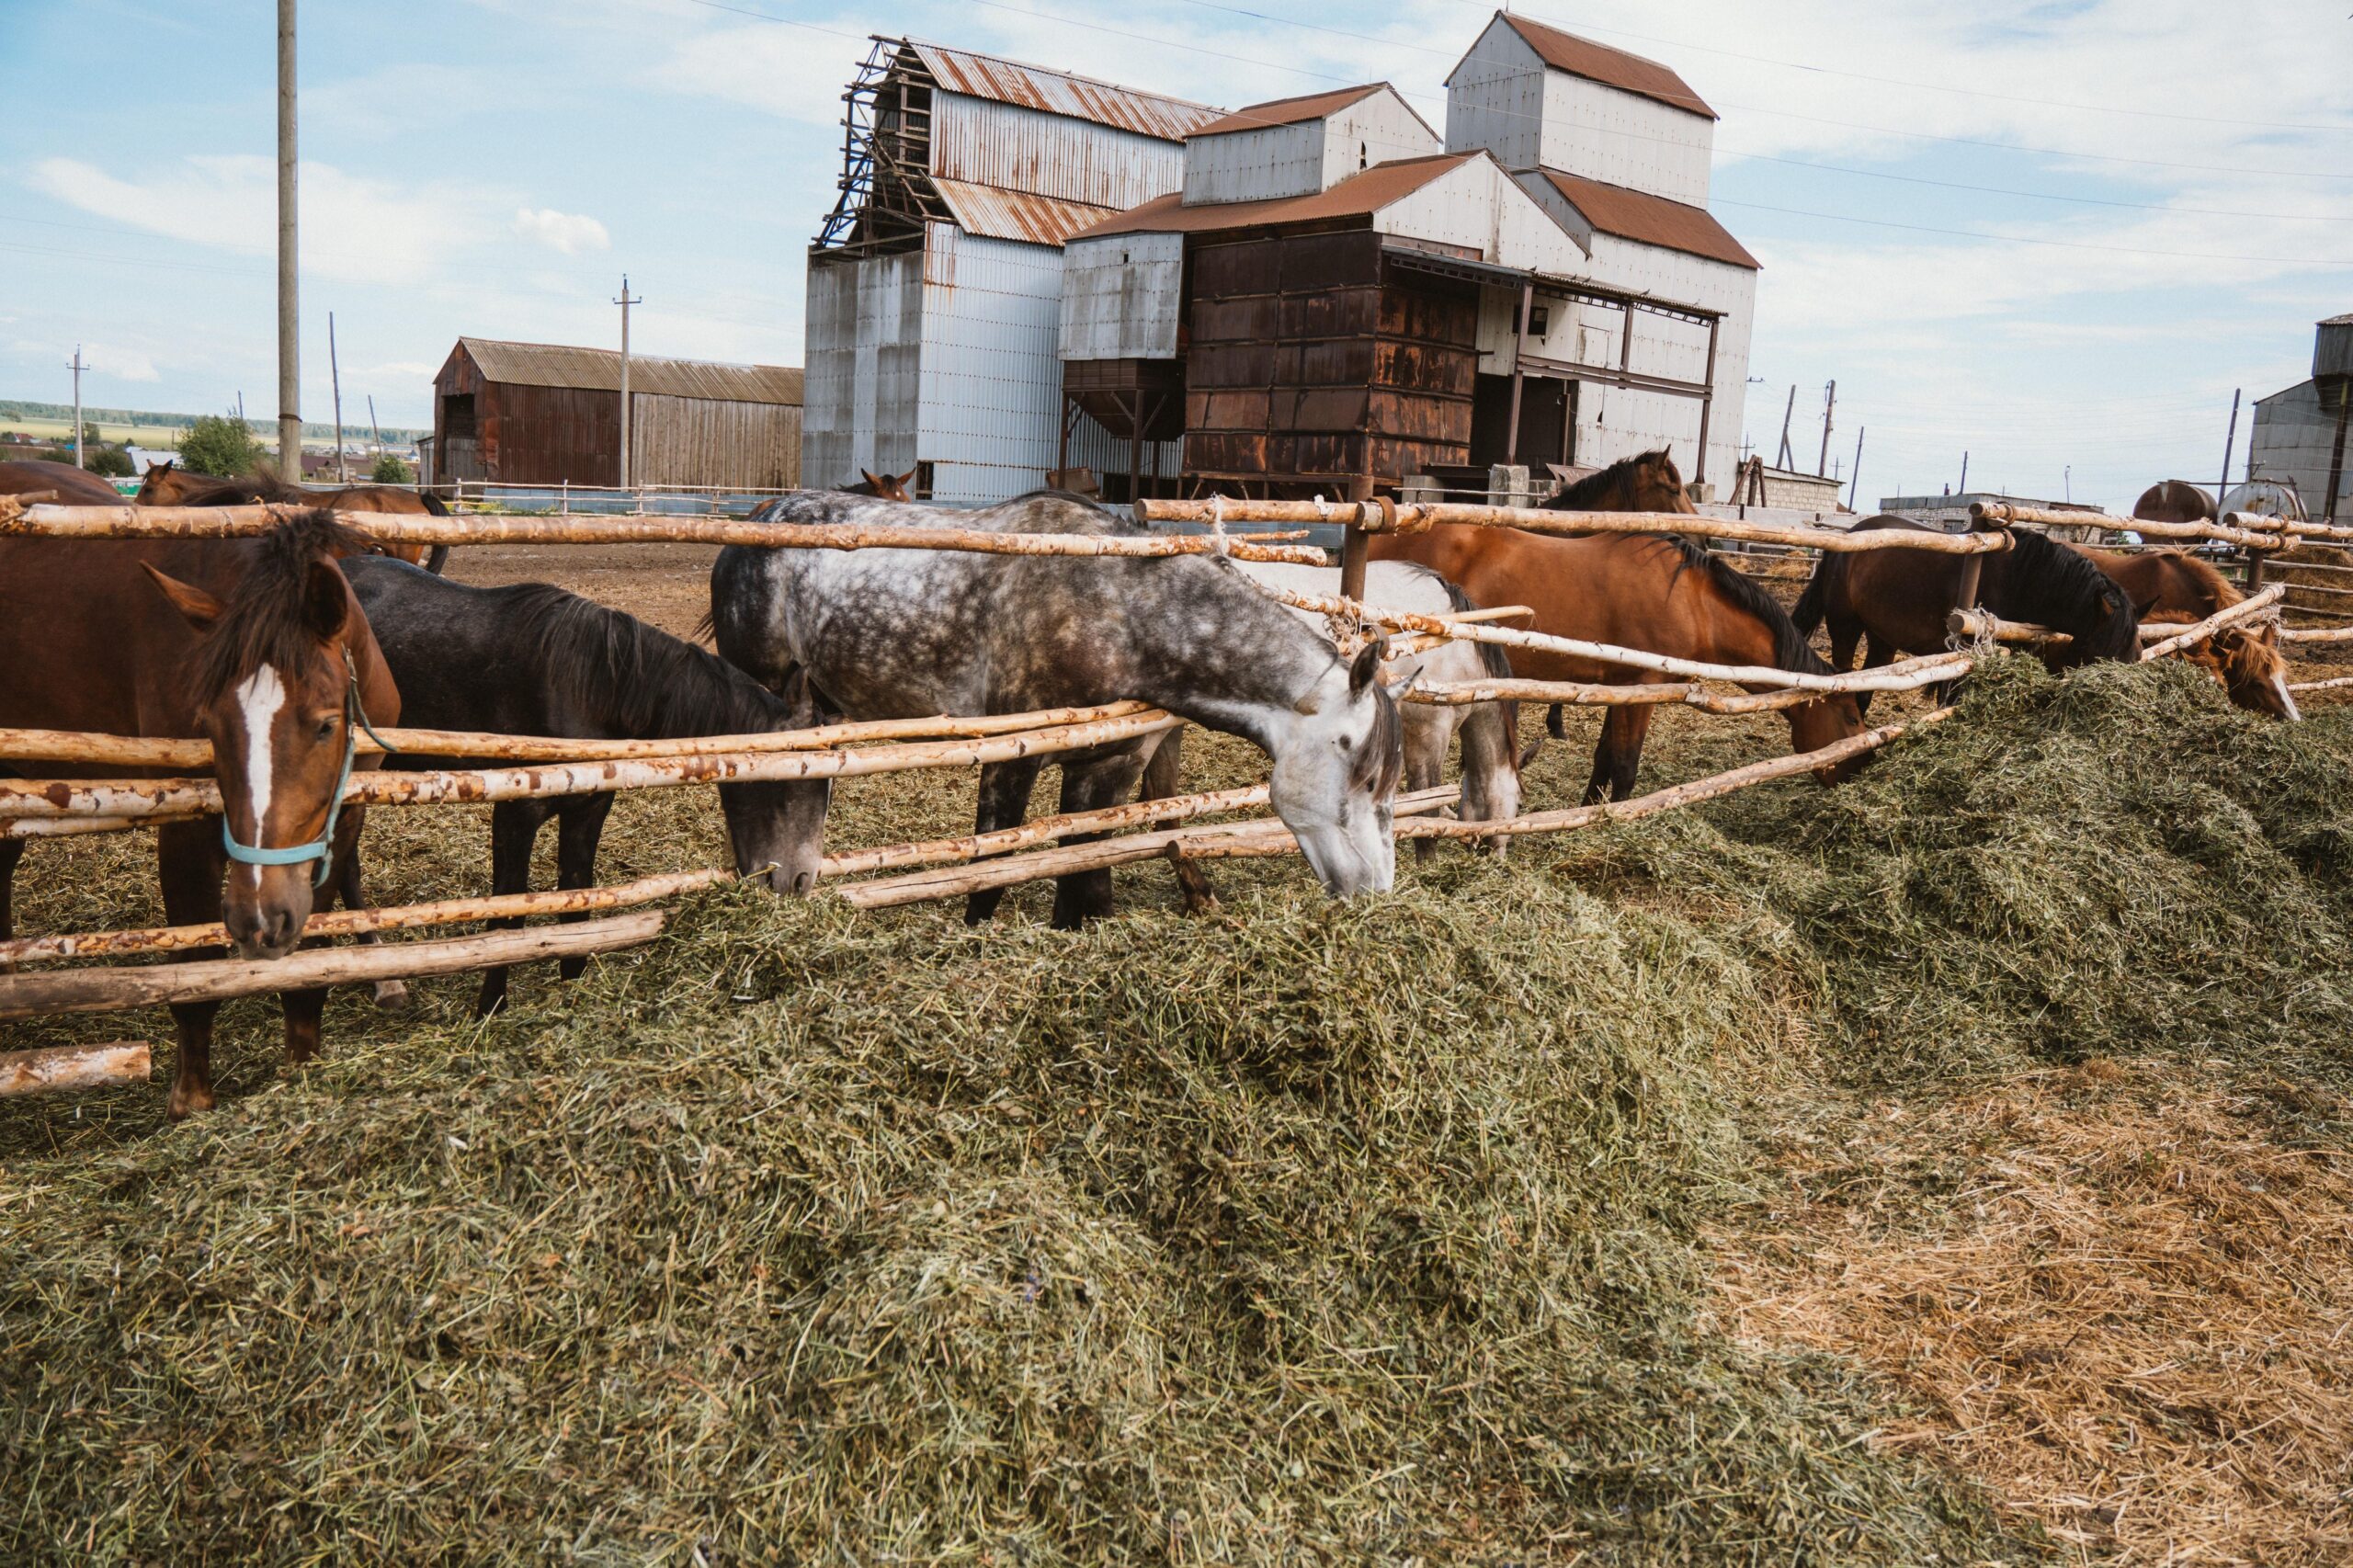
(2054, 235)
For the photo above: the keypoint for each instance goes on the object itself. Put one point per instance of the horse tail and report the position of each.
(440, 553)
(1829, 578)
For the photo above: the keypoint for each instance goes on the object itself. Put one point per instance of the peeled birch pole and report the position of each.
(351, 922)
(1413, 515)
(403, 528)
(64, 1069)
(1681, 794)
(1263, 835)
(1921, 672)
(1575, 648)
(2322, 685)
(2003, 513)
(168, 797)
(2331, 634)
(152, 751)
(2247, 608)
(214, 980)
(75, 828)
(976, 847)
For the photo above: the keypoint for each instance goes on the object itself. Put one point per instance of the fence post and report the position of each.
(1356, 545)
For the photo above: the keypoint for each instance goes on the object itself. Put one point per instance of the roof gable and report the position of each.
(1650, 219)
(1600, 62)
(1359, 196)
(1059, 92)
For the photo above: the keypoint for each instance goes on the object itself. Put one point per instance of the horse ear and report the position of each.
(867, 475)
(199, 608)
(327, 603)
(1367, 665)
(902, 481)
(1527, 754)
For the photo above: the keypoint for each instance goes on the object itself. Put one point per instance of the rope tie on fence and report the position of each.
(1219, 544)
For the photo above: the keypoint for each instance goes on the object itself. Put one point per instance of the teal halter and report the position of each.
(322, 848)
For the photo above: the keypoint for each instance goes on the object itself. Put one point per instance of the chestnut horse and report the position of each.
(883, 486)
(74, 487)
(256, 644)
(2167, 586)
(168, 484)
(1660, 593)
(1899, 599)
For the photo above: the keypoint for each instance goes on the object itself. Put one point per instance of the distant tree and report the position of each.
(90, 437)
(392, 470)
(217, 446)
(107, 462)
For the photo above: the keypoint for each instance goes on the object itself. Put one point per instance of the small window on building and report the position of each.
(458, 417)
(1538, 321)
(1364, 157)
(923, 482)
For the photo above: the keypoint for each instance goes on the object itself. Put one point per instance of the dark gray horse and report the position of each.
(907, 633)
(532, 660)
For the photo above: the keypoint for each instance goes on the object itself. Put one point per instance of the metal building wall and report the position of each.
(1495, 99)
(1122, 297)
(1378, 129)
(1625, 139)
(864, 346)
(1255, 166)
(2295, 433)
(985, 143)
(684, 441)
(1478, 208)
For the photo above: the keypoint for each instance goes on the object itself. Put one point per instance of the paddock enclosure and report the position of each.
(1943, 1167)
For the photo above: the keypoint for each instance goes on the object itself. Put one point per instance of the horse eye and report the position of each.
(327, 729)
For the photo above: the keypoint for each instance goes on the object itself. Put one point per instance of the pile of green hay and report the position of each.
(1305, 1233)
(2111, 864)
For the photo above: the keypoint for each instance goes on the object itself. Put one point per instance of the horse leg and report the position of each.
(11, 851)
(1426, 742)
(578, 827)
(1005, 802)
(514, 826)
(391, 996)
(1619, 755)
(1088, 786)
(188, 862)
(1163, 777)
(1875, 655)
(1552, 726)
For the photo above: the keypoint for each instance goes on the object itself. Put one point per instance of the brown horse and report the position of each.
(1660, 593)
(2173, 501)
(883, 486)
(74, 487)
(1897, 601)
(256, 644)
(2170, 587)
(168, 484)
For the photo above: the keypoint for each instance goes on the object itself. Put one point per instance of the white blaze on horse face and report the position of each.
(1343, 831)
(2287, 697)
(259, 697)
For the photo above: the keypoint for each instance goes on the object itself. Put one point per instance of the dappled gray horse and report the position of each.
(909, 633)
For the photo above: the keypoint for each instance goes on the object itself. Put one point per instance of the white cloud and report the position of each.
(127, 364)
(569, 232)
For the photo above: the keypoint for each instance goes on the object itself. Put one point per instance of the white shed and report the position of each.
(1297, 146)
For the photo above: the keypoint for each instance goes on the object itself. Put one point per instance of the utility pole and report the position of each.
(1829, 407)
(625, 302)
(289, 315)
(374, 430)
(2228, 442)
(77, 369)
(1964, 473)
(1784, 462)
(335, 379)
(1855, 480)
(2068, 481)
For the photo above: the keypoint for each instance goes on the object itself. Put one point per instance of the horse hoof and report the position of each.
(186, 1102)
(391, 996)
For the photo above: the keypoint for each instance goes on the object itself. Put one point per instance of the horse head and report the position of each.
(1335, 779)
(2253, 670)
(1658, 485)
(883, 486)
(776, 830)
(283, 670)
(1813, 725)
(158, 487)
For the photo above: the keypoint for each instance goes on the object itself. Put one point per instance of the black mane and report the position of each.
(263, 622)
(640, 680)
(1791, 649)
(2046, 584)
(1600, 484)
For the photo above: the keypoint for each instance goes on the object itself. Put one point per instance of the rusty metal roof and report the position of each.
(1358, 197)
(599, 370)
(999, 214)
(1290, 111)
(1651, 220)
(1611, 67)
(1058, 92)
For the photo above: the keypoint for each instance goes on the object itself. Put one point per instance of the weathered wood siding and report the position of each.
(684, 441)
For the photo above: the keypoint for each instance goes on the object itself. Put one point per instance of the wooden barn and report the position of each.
(547, 414)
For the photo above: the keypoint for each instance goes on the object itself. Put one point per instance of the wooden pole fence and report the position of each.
(1681, 794)
(215, 980)
(64, 1069)
(147, 751)
(1413, 516)
(1916, 672)
(976, 847)
(144, 798)
(2332, 684)
(401, 528)
(2001, 514)
(2248, 608)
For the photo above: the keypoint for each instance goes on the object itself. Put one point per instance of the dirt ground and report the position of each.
(668, 585)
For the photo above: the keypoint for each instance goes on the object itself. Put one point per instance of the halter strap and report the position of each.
(322, 848)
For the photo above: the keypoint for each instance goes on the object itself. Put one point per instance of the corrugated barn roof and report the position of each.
(1611, 67)
(999, 214)
(1058, 92)
(599, 370)
(1651, 220)
(1360, 196)
(1289, 111)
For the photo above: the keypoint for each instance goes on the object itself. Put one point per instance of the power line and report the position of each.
(2024, 240)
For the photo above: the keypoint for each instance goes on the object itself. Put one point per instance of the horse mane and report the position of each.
(1791, 651)
(1599, 485)
(1492, 658)
(2045, 581)
(638, 679)
(263, 623)
(2225, 592)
